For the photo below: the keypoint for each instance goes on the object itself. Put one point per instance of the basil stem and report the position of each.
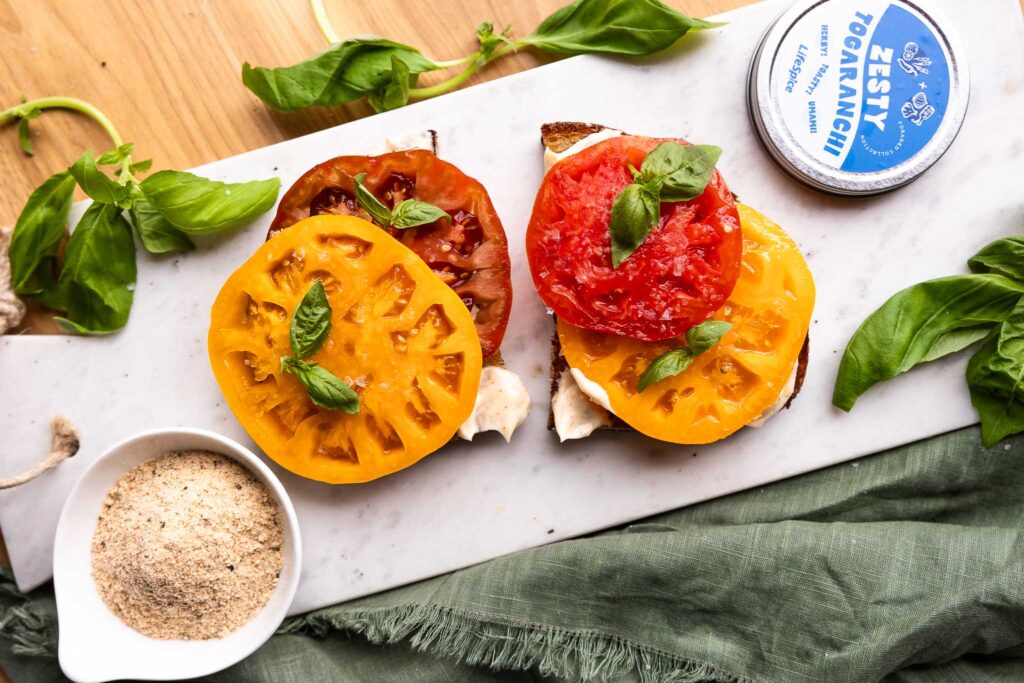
(369, 67)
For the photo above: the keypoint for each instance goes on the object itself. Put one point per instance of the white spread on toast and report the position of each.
(787, 393)
(423, 139)
(576, 416)
(594, 391)
(502, 404)
(551, 157)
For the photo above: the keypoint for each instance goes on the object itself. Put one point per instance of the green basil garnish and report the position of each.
(995, 376)
(116, 156)
(902, 333)
(369, 203)
(37, 235)
(1005, 257)
(385, 72)
(310, 327)
(669, 364)
(395, 92)
(197, 205)
(311, 322)
(24, 134)
(341, 73)
(940, 317)
(411, 212)
(408, 213)
(97, 283)
(671, 172)
(97, 184)
(323, 386)
(94, 288)
(622, 27)
(155, 232)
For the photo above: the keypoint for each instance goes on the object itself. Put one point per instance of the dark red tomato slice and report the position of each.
(470, 254)
(678, 277)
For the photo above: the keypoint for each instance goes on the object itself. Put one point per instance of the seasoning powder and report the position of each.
(188, 546)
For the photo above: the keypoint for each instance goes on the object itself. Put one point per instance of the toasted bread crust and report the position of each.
(561, 135)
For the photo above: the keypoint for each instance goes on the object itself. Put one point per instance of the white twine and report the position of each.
(12, 310)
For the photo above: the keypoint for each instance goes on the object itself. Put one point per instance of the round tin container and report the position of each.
(858, 97)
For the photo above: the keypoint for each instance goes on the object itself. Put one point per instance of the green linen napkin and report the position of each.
(907, 567)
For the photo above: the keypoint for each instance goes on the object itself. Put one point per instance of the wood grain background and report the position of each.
(167, 72)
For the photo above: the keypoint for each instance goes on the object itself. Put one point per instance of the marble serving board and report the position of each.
(470, 503)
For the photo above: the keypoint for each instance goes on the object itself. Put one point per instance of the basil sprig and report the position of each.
(669, 364)
(408, 213)
(94, 287)
(311, 322)
(385, 72)
(310, 327)
(670, 173)
(939, 317)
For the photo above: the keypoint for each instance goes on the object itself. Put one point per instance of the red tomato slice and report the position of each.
(470, 254)
(679, 276)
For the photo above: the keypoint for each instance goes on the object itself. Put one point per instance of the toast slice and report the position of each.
(558, 137)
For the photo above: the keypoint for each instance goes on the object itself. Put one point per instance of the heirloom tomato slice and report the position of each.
(676, 279)
(735, 381)
(399, 337)
(470, 253)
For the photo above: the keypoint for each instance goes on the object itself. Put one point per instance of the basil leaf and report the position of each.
(311, 322)
(668, 364)
(368, 201)
(685, 170)
(901, 333)
(1005, 257)
(411, 212)
(116, 156)
(957, 340)
(141, 166)
(995, 376)
(341, 73)
(702, 337)
(96, 183)
(635, 212)
(158, 236)
(24, 134)
(197, 205)
(395, 93)
(37, 235)
(96, 285)
(323, 386)
(625, 27)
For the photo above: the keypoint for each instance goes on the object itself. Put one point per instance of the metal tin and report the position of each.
(858, 97)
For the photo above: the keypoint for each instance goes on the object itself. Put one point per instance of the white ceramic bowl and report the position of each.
(94, 644)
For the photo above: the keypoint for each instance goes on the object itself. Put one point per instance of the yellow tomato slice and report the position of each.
(400, 337)
(736, 380)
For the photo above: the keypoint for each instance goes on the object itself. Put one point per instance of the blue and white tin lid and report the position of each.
(857, 97)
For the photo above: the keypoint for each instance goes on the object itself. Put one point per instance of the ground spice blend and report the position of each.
(188, 546)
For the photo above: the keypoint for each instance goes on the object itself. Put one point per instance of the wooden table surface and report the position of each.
(167, 72)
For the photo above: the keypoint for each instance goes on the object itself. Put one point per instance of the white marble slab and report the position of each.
(467, 504)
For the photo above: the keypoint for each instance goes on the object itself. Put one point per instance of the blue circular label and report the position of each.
(862, 86)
